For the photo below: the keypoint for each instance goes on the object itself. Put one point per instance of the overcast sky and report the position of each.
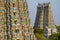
(32, 4)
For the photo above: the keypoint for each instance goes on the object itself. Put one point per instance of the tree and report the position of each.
(38, 30)
(54, 36)
(39, 33)
(58, 28)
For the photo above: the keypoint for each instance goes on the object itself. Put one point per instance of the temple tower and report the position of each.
(15, 20)
(44, 18)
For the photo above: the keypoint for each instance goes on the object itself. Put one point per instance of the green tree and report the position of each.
(54, 36)
(38, 30)
(58, 28)
(39, 33)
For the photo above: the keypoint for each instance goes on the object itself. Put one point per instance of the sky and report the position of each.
(32, 5)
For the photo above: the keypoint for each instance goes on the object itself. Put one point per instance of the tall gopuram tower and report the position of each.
(44, 18)
(2, 20)
(15, 20)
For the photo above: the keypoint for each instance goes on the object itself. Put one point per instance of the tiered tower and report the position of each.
(15, 21)
(2, 25)
(44, 18)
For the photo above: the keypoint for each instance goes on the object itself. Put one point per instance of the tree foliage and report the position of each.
(55, 36)
(39, 33)
(58, 28)
(38, 30)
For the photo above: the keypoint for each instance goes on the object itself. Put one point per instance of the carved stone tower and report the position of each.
(15, 20)
(44, 18)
